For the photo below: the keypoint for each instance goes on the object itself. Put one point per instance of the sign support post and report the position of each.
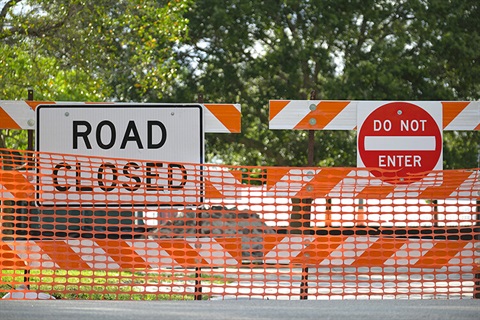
(198, 270)
(30, 131)
(301, 220)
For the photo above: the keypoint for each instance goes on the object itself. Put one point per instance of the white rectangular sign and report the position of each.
(159, 146)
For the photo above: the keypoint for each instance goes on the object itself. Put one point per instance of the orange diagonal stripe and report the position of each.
(275, 106)
(122, 253)
(228, 115)
(375, 192)
(325, 112)
(275, 174)
(324, 182)
(17, 184)
(378, 252)
(6, 122)
(211, 192)
(237, 174)
(34, 104)
(182, 252)
(9, 258)
(63, 255)
(440, 254)
(233, 246)
(451, 109)
(271, 241)
(319, 250)
(451, 181)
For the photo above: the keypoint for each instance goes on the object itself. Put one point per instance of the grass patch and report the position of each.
(108, 285)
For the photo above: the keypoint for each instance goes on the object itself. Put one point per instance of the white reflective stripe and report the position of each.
(291, 114)
(214, 125)
(32, 255)
(93, 255)
(292, 182)
(287, 249)
(212, 252)
(153, 254)
(345, 120)
(348, 251)
(468, 119)
(20, 112)
(400, 143)
(5, 194)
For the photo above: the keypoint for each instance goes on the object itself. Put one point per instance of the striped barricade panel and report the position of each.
(342, 115)
(356, 251)
(219, 118)
(221, 268)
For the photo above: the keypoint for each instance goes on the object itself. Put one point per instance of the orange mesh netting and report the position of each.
(95, 228)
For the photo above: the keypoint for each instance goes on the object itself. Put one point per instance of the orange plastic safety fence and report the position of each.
(95, 228)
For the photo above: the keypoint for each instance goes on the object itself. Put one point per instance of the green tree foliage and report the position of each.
(251, 52)
(79, 50)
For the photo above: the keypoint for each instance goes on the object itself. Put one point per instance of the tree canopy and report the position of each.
(249, 52)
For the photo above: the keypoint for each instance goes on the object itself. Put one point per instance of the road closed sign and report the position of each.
(119, 155)
(402, 139)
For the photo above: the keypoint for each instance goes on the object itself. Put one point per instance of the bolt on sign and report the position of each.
(166, 141)
(403, 139)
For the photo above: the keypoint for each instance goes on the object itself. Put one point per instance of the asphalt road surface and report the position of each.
(240, 309)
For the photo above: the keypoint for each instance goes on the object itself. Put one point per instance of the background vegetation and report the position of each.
(247, 52)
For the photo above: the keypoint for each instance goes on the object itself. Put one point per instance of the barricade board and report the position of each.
(342, 114)
(18, 114)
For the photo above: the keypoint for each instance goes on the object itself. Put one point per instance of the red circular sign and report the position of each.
(402, 139)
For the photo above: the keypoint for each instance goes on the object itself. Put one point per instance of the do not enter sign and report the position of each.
(400, 137)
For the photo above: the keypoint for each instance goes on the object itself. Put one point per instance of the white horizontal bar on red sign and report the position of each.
(219, 118)
(342, 114)
(399, 143)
